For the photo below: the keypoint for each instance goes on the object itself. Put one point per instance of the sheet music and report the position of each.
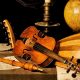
(4, 46)
(4, 66)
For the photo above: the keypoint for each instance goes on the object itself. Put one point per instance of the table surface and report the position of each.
(21, 74)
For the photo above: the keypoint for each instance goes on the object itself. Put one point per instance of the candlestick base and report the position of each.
(46, 24)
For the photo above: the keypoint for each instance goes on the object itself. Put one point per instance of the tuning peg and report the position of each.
(70, 65)
(76, 68)
(74, 74)
(72, 58)
(68, 70)
(78, 61)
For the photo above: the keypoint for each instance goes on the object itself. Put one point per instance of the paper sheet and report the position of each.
(3, 46)
(62, 75)
(4, 66)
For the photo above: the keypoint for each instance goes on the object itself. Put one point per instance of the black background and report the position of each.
(21, 17)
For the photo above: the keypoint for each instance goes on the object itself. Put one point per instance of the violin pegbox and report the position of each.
(10, 33)
(74, 66)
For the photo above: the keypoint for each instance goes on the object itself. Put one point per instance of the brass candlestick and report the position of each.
(46, 18)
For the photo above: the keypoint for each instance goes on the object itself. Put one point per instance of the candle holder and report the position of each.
(46, 24)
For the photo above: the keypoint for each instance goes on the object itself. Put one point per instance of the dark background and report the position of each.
(21, 17)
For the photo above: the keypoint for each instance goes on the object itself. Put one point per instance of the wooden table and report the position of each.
(21, 74)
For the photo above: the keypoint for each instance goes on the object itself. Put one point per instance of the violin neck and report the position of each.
(48, 52)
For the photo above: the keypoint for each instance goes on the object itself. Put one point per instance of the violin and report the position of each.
(33, 43)
(22, 48)
(71, 64)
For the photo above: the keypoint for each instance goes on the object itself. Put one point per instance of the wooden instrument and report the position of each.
(69, 47)
(27, 66)
(32, 34)
(72, 63)
(34, 44)
(9, 29)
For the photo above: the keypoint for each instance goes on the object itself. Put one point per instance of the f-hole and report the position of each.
(41, 34)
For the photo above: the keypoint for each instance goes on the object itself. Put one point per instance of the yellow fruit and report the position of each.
(72, 14)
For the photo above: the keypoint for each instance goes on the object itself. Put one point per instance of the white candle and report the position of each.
(47, 1)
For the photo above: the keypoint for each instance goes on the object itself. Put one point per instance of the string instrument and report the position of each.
(68, 56)
(69, 47)
(27, 65)
(10, 33)
(29, 34)
(31, 45)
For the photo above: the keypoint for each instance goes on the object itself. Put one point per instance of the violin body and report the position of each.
(21, 48)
